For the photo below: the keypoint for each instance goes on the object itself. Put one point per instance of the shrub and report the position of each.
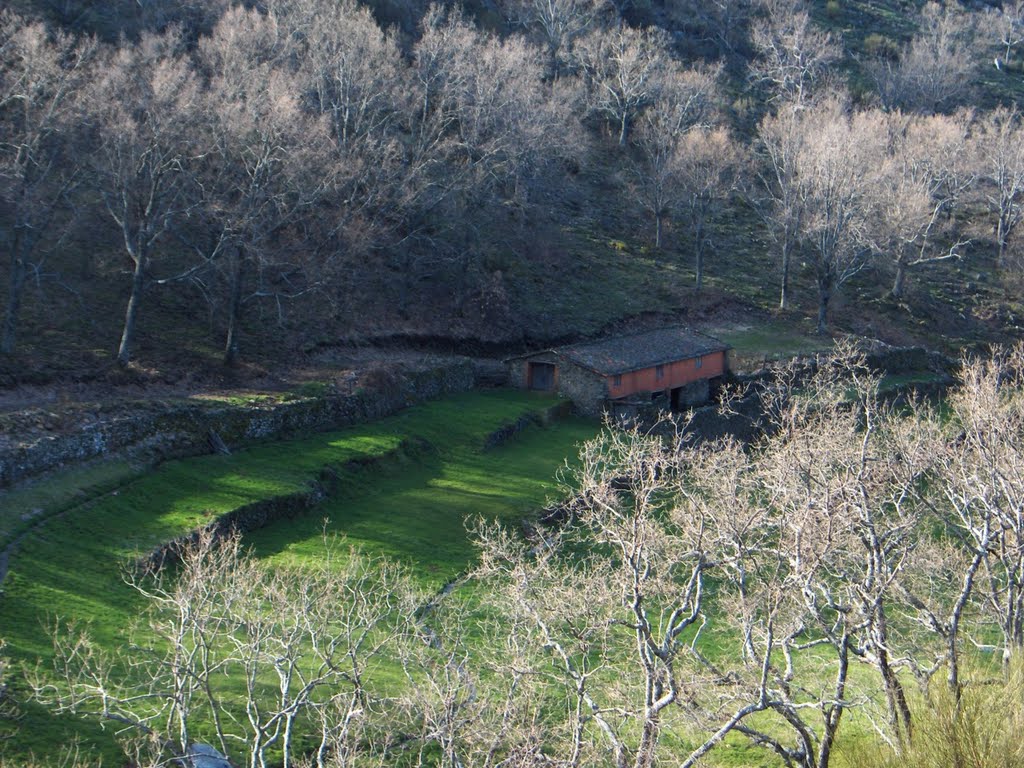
(981, 731)
(881, 47)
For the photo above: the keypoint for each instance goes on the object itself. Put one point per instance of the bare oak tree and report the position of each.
(250, 657)
(661, 138)
(709, 160)
(265, 160)
(1008, 27)
(999, 141)
(793, 53)
(936, 69)
(983, 490)
(780, 199)
(354, 67)
(925, 173)
(485, 127)
(142, 107)
(626, 582)
(835, 163)
(560, 23)
(624, 70)
(639, 591)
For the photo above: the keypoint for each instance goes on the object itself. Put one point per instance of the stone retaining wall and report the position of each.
(251, 517)
(548, 416)
(158, 431)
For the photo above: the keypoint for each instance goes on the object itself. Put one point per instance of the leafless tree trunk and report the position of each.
(273, 160)
(142, 109)
(936, 68)
(299, 642)
(781, 138)
(662, 138)
(624, 70)
(999, 141)
(560, 23)
(1007, 22)
(708, 163)
(924, 175)
(835, 163)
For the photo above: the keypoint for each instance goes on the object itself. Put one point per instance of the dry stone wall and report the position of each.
(156, 431)
(258, 514)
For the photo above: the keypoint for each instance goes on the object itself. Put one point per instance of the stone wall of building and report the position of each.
(587, 389)
(694, 394)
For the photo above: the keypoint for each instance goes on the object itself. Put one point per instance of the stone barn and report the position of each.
(668, 368)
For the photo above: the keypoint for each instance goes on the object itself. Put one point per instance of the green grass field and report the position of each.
(410, 506)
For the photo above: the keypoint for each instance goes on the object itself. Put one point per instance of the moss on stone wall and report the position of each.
(156, 431)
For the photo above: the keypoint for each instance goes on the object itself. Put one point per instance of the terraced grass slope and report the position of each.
(403, 488)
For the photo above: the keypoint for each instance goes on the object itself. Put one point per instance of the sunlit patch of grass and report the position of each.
(756, 342)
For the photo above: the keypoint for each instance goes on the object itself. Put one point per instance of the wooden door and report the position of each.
(542, 376)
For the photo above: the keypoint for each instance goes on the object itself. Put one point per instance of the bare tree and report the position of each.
(265, 159)
(718, 27)
(629, 592)
(936, 69)
(926, 172)
(1008, 27)
(708, 164)
(793, 54)
(846, 471)
(354, 67)
(804, 536)
(142, 106)
(660, 137)
(983, 487)
(787, 606)
(40, 79)
(486, 126)
(245, 655)
(473, 703)
(379, 180)
(835, 162)
(999, 140)
(624, 70)
(9, 710)
(652, 525)
(780, 198)
(560, 23)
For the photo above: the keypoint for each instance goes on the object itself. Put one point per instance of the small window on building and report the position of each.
(659, 372)
(617, 381)
(698, 362)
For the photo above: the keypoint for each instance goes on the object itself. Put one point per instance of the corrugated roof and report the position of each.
(637, 351)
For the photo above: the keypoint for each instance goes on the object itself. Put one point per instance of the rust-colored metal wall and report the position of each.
(674, 375)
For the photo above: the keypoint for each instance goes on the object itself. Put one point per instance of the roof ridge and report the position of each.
(635, 333)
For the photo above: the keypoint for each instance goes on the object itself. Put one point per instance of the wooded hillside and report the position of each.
(265, 178)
